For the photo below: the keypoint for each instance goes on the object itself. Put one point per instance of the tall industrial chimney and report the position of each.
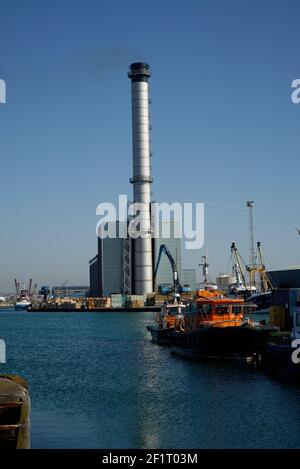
(139, 74)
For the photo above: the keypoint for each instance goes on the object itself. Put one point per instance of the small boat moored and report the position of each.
(168, 320)
(24, 295)
(22, 304)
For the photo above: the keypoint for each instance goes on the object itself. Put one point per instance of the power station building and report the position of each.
(126, 265)
(109, 269)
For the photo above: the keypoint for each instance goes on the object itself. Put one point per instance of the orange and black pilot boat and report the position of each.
(217, 326)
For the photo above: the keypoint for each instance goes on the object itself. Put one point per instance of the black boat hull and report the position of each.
(223, 342)
(277, 361)
(160, 336)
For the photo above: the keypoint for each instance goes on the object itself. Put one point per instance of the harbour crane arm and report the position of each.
(34, 290)
(17, 287)
(262, 271)
(235, 252)
(163, 249)
(260, 255)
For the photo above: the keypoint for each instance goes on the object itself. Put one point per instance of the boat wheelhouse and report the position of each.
(168, 320)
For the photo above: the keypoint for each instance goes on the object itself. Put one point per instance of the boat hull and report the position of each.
(223, 341)
(277, 361)
(263, 301)
(160, 336)
(193, 355)
(22, 306)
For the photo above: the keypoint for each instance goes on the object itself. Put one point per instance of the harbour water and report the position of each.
(97, 381)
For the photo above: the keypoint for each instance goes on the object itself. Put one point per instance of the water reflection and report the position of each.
(97, 380)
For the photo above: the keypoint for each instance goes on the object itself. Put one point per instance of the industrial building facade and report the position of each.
(70, 291)
(285, 278)
(108, 269)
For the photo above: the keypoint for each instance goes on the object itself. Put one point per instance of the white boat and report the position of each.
(22, 304)
(24, 296)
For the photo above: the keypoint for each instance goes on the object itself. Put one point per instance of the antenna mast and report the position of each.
(205, 266)
(250, 204)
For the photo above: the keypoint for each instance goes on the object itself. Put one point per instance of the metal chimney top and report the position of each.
(139, 71)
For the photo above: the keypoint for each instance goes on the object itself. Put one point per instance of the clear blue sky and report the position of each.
(224, 127)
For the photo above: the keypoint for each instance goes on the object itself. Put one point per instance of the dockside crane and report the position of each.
(261, 270)
(238, 267)
(33, 292)
(265, 282)
(17, 288)
(30, 287)
(164, 250)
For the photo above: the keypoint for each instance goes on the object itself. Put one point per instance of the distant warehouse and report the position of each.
(285, 278)
(70, 291)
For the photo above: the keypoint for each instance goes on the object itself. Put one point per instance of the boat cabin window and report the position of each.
(204, 309)
(221, 310)
(192, 308)
(174, 310)
(237, 309)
